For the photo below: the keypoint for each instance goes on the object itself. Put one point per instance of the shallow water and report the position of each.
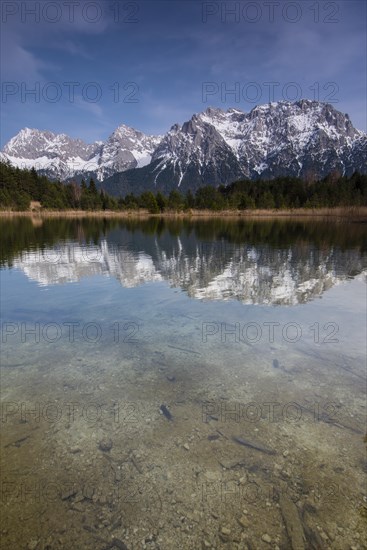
(247, 330)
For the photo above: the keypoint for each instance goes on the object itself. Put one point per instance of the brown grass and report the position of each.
(339, 213)
(44, 213)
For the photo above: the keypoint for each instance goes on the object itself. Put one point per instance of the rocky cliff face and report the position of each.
(307, 139)
(59, 156)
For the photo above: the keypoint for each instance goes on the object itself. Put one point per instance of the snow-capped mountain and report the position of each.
(296, 137)
(126, 148)
(59, 156)
(307, 138)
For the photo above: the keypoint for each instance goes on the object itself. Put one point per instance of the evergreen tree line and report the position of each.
(18, 187)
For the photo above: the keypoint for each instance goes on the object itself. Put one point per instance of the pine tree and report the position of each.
(161, 201)
(175, 201)
(92, 187)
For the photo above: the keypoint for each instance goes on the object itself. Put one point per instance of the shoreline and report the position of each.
(337, 213)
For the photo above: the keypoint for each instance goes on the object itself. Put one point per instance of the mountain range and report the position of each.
(306, 139)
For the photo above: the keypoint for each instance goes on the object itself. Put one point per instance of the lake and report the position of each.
(183, 384)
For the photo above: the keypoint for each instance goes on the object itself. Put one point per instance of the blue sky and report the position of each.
(148, 64)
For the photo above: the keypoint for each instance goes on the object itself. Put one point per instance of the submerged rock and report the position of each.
(105, 445)
(166, 412)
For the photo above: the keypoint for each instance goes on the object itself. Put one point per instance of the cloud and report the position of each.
(94, 108)
(19, 64)
(313, 52)
(73, 49)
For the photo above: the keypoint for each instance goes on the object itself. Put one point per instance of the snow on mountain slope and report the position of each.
(304, 139)
(126, 148)
(60, 156)
(292, 132)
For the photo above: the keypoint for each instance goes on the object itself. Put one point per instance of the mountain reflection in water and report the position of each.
(255, 262)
